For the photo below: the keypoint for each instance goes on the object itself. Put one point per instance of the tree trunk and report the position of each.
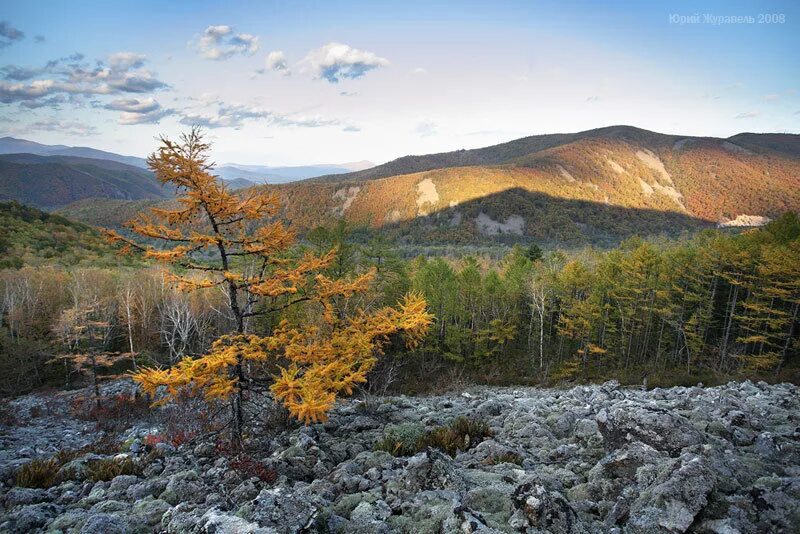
(94, 380)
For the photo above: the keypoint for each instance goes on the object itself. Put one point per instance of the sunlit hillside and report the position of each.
(589, 189)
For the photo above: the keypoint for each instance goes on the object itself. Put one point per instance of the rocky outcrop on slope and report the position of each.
(589, 459)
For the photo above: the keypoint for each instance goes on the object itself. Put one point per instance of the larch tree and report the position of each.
(236, 243)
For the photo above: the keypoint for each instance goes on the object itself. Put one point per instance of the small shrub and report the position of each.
(39, 473)
(7, 415)
(108, 468)
(151, 440)
(113, 413)
(65, 456)
(401, 440)
(460, 435)
(251, 467)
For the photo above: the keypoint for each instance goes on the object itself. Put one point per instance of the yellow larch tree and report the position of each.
(237, 243)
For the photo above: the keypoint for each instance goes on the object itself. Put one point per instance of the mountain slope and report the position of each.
(53, 181)
(11, 145)
(704, 181)
(34, 237)
(591, 187)
(509, 152)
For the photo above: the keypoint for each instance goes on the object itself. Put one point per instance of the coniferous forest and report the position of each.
(717, 306)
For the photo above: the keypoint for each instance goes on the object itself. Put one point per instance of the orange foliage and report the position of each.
(251, 265)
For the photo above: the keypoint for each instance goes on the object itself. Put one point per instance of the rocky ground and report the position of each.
(589, 459)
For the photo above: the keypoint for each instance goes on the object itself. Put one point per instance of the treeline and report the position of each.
(718, 305)
(715, 307)
(53, 314)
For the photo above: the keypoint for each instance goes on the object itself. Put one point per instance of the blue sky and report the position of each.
(307, 82)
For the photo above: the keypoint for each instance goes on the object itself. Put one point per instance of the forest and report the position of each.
(710, 308)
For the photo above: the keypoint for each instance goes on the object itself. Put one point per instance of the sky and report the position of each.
(294, 83)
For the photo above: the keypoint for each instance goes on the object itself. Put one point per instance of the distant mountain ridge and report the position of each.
(260, 174)
(507, 152)
(11, 145)
(234, 172)
(52, 181)
(592, 187)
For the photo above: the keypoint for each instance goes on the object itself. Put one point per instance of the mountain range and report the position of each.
(56, 180)
(237, 175)
(597, 186)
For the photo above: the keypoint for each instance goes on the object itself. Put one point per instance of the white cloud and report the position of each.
(63, 127)
(772, 97)
(219, 42)
(133, 105)
(747, 115)
(150, 117)
(276, 60)
(122, 61)
(426, 128)
(120, 73)
(418, 70)
(236, 115)
(336, 61)
(9, 34)
(139, 111)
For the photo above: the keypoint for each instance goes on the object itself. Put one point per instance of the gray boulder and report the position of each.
(105, 524)
(546, 510)
(672, 502)
(30, 517)
(629, 421)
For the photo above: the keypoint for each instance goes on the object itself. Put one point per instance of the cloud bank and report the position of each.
(236, 115)
(9, 34)
(220, 42)
(336, 61)
(120, 73)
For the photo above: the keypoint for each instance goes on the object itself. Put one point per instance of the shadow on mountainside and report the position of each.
(518, 216)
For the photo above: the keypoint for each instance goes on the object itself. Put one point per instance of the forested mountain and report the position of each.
(510, 151)
(53, 181)
(11, 145)
(34, 237)
(594, 187)
(579, 188)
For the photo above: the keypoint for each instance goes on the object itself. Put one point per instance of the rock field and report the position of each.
(598, 458)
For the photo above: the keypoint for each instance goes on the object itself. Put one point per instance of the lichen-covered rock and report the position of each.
(594, 458)
(29, 518)
(22, 496)
(673, 500)
(216, 522)
(546, 510)
(149, 511)
(286, 510)
(184, 486)
(106, 524)
(664, 431)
